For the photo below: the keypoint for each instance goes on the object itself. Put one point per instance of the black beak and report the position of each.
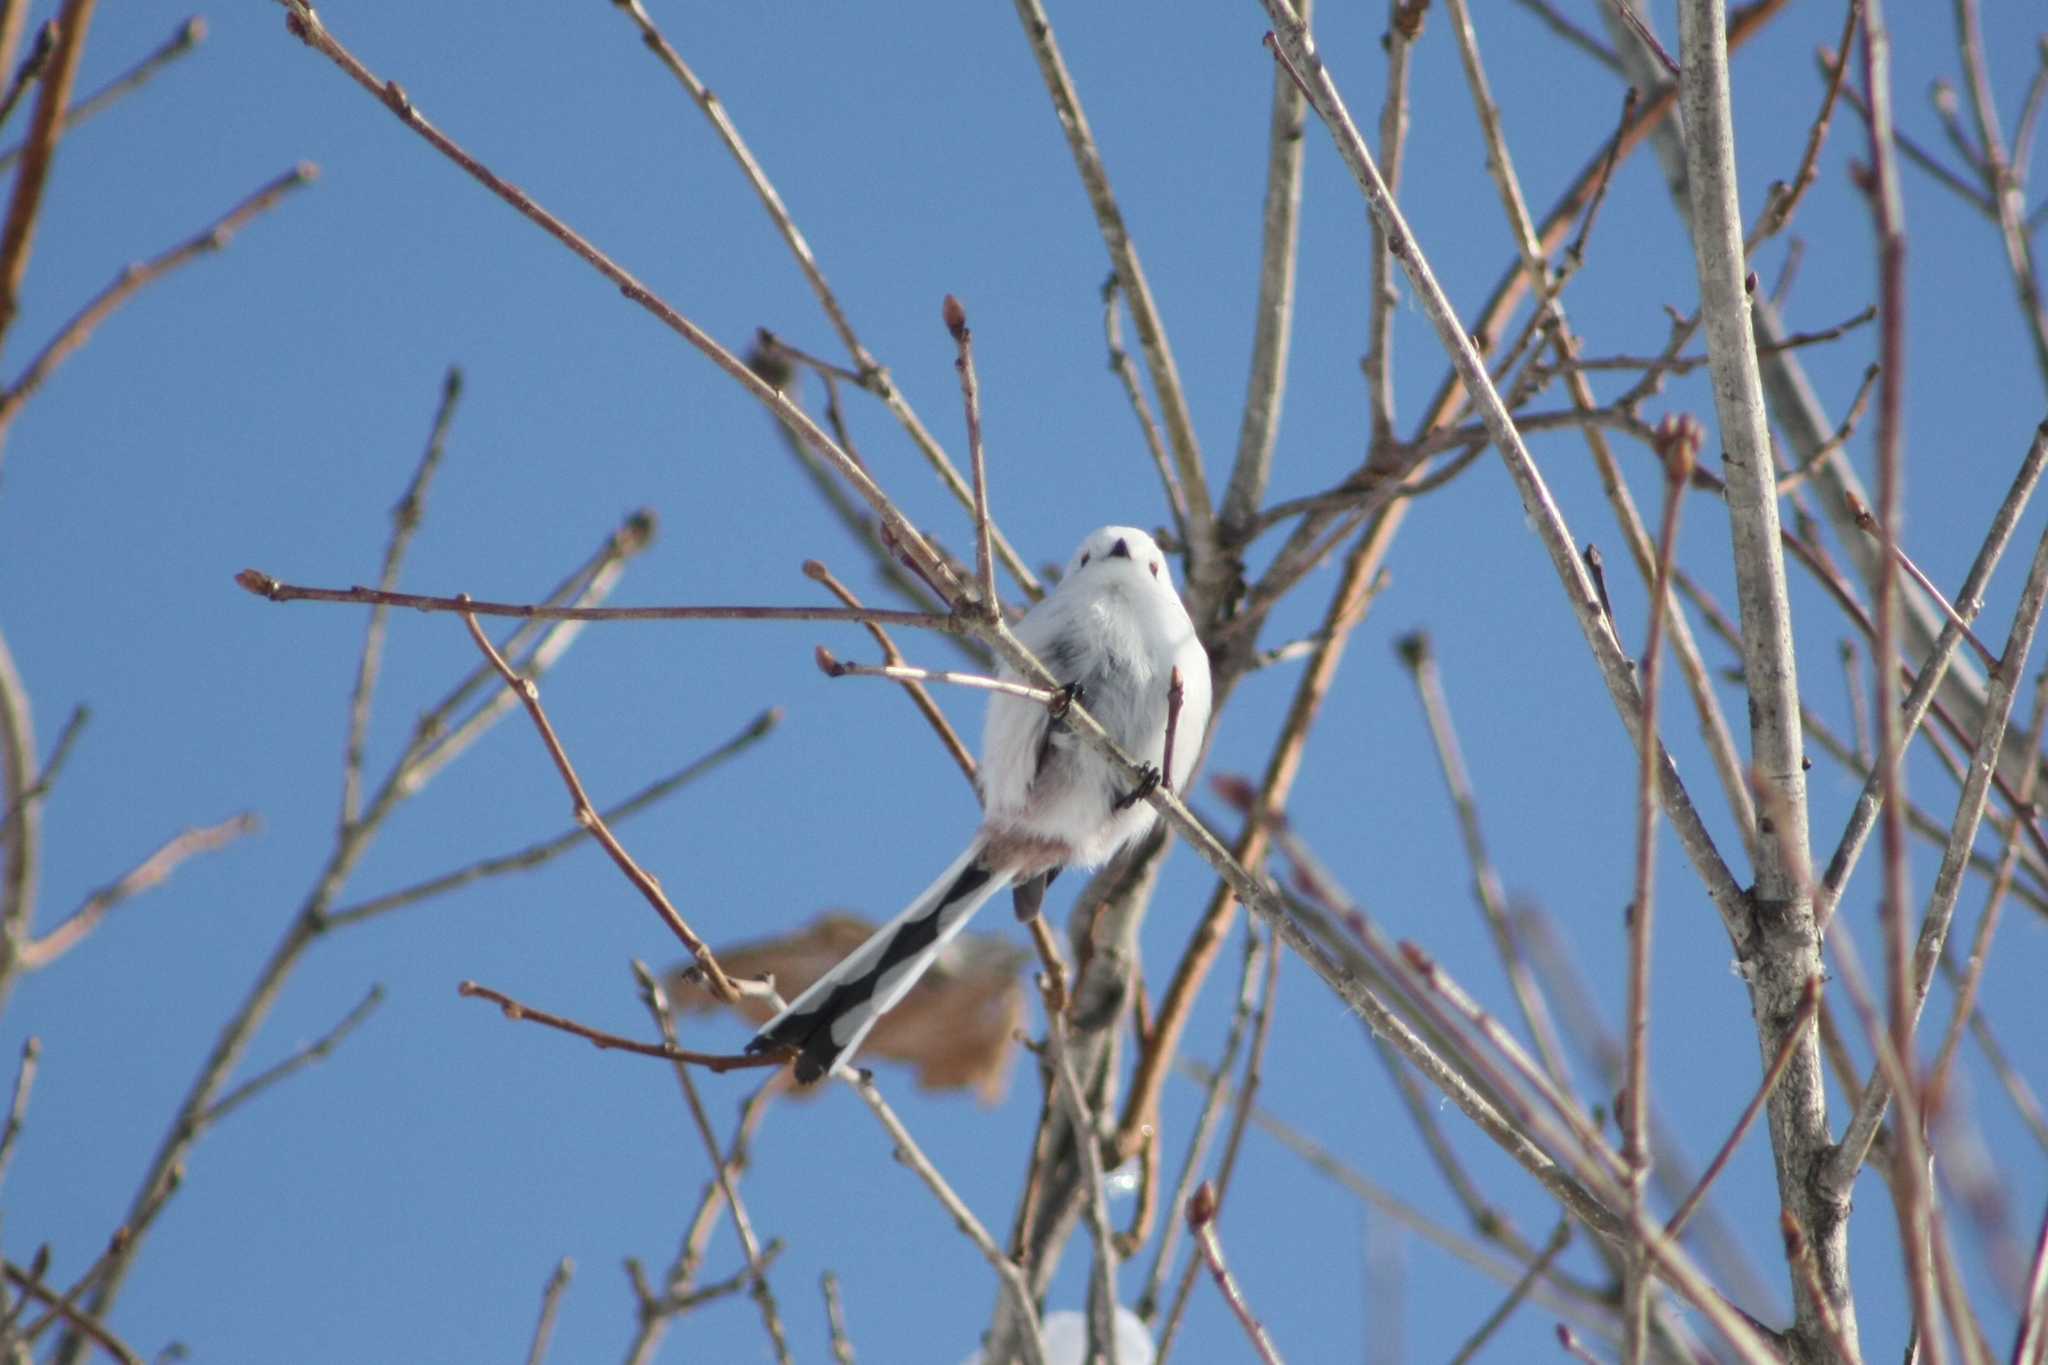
(1119, 551)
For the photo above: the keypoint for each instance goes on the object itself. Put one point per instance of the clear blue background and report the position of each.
(408, 1198)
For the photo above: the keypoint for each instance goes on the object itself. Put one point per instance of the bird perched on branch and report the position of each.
(1115, 635)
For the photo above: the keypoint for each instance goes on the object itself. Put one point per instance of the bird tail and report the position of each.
(827, 1022)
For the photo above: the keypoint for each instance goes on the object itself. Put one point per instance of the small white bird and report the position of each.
(1113, 632)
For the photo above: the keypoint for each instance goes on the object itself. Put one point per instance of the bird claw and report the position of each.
(1063, 701)
(1148, 782)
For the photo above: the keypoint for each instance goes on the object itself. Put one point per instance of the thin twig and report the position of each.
(1679, 451)
(1564, 28)
(2001, 184)
(1382, 291)
(1218, 1188)
(405, 522)
(303, 23)
(970, 399)
(910, 1154)
(263, 585)
(1123, 253)
(433, 744)
(607, 1042)
(133, 279)
(146, 875)
(834, 667)
(587, 816)
(1783, 205)
(1592, 1306)
(24, 1082)
(1126, 372)
(31, 68)
(2033, 1327)
(1418, 655)
(189, 35)
(1559, 1240)
(1201, 1215)
(919, 696)
(1295, 44)
(1216, 1087)
(1969, 602)
(1979, 958)
(869, 374)
(25, 206)
(1102, 1296)
(1869, 524)
(1645, 37)
(656, 1000)
(1273, 315)
(60, 1306)
(1570, 1341)
(657, 1311)
(1674, 1227)
(535, 855)
(1793, 479)
(317, 1050)
(550, 1305)
(1917, 974)
(835, 1319)
(53, 767)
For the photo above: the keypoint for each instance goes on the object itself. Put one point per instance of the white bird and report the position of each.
(1113, 633)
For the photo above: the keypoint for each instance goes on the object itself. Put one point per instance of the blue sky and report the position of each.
(264, 408)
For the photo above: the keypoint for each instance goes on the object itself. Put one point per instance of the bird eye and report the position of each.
(1154, 566)
(1084, 556)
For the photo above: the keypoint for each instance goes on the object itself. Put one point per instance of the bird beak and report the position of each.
(1119, 551)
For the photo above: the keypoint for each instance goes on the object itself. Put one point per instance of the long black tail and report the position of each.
(827, 1022)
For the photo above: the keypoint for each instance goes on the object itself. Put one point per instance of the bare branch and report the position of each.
(405, 521)
(133, 279)
(25, 206)
(1201, 1215)
(317, 1050)
(910, 1154)
(606, 1042)
(587, 816)
(24, 1082)
(189, 35)
(1123, 254)
(263, 585)
(550, 1305)
(146, 875)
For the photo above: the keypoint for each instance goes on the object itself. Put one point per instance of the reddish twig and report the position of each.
(919, 696)
(263, 585)
(710, 1061)
(1809, 1004)
(1679, 443)
(1647, 38)
(587, 816)
(970, 398)
(303, 23)
(1868, 524)
(1201, 1214)
(1778, 211)
(25, 207)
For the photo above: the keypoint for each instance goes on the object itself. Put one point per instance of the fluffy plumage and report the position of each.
(1115, 628)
